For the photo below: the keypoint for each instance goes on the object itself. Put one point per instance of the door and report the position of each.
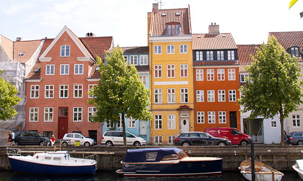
(93, 134)
(184, 125)
(233, 119)
(62, 122)
(143, 128)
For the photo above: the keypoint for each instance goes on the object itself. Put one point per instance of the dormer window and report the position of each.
(294, 51)
(173, 28)
(65, 51)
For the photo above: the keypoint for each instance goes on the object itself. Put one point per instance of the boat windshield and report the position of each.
(182, 154)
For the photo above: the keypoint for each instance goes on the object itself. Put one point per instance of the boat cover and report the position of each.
(139, 155)
(300, 164)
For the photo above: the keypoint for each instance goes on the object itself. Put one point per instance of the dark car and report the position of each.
(199, 139)
(295, 138)
(30, 138)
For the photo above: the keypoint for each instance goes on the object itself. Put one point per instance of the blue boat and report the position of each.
(51, 163)
(167, 162)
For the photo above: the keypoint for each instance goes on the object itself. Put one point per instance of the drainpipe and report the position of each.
(151, 92)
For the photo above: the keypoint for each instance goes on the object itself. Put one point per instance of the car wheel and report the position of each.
(41, 143)
(185, 144)
(137, 143)
(109, 143)
(243, 143)
(300, 143)
(64, 144)
(86, 144)
(221, 144)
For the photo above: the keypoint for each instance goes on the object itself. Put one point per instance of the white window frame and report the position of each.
(243, 77)
(78, 91)
(91, 112)
(63, 90)
(143, 79)
(133, 59)
(171, 95)
(158, 95)
(64, 69)
(64, 51)
(221, 96)
(232, 74)
(232, 95)
(171, 71)
(200, 95)
(77, 114)
(199, 75)
(199, 55)
(157, 49)
(90, 87)
(230, 55)
(210, 74)
(296, 122)
(35, 91)
(50, 69)
(158, 122)
(48, 114)
(170, 139)
(49, 91)
(211, 96)
(222, 117)
(273, 124)
(183, 70)
(220, 55)
(78, 69)
(143, 59)
(158, 71)
(211, 117)
(220, 74)
(183, 49)
(171, 121)
(209, 55)
(200, 117)
(170, 49)
(131, 122)
(33, 114)
(158, 139)
(184, 95)
(294, 51)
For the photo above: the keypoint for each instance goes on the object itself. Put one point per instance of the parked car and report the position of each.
(199, 139)
(111, 138)
(233, 134)
(295, 138)
(73, 138)
(30, 138)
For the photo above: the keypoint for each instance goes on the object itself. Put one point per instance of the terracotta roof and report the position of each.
(244, 52)
(28, 47)
(289, 39)
(135, 50)
(7, 46)
(158, 20)
(213, 41)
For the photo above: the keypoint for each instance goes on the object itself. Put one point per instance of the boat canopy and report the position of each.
(149, 154)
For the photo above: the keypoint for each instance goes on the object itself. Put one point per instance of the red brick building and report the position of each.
(57, 87)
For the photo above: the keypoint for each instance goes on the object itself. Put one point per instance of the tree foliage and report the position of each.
(120, 92)
(273, 87)
(8, 99)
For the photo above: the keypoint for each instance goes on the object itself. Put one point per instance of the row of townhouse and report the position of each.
(194, 80)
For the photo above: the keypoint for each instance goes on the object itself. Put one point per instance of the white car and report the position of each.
(111, 138)
(72, 138)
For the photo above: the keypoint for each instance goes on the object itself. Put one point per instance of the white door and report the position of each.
(143, 127)
(184, 125)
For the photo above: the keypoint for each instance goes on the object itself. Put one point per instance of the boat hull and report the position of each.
(48, 169)
(300, 173)
(262, 177)
(182, 168)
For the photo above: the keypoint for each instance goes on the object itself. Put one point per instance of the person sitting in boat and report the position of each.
(53, 140)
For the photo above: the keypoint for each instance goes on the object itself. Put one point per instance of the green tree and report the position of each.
(274, 85)
(8, 99)
(120, 92)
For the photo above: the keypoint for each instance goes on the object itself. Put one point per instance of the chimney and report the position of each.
(90, 34)
(18, 39)
(213, 29)
(155, 7)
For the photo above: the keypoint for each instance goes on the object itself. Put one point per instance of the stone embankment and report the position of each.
(108, 158)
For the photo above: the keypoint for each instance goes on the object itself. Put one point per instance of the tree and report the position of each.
(273, 87)
(8, 99)
(120, 92)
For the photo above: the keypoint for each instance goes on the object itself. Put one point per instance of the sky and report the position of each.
(249, 21)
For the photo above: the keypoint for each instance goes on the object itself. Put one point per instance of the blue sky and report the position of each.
(249, 21)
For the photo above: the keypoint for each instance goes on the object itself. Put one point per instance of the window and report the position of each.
(170, 95)
(171, 121)
(143, 79)
(220, 55)
(63, 91)
(183, 70)
(294, 51)
(64, 69)
(35, 91)
(65, 51)
(231, 55)
(131, 123)
(231, 74)
(77, 114)
(210, 96)
(232, 95)
(172, 29)
(199, 75)
(170, 71)
(78, 69)
(158, 121)
(221, 95)
(157, 49)
(90, 87)
(91, 113)
(170, 139)
(50, 70)
(170, 49)
(200, 117)
(125, 57)
(78, 91)
(200, 95)
(49, 91)
(143, 60)
(296, 121)
(273, 123)
(184, 95)
(209, 55)
(183, 48)
(158, 71)
(48, 114)
(133, 59)
(221, 74)
(158, 95)
(222, 117)
(210, 74)
(199, 55)
(158, 139)
(33, 114)
(211, 117)
(243, 77)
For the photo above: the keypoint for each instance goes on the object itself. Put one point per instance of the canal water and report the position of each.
(112, 176)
